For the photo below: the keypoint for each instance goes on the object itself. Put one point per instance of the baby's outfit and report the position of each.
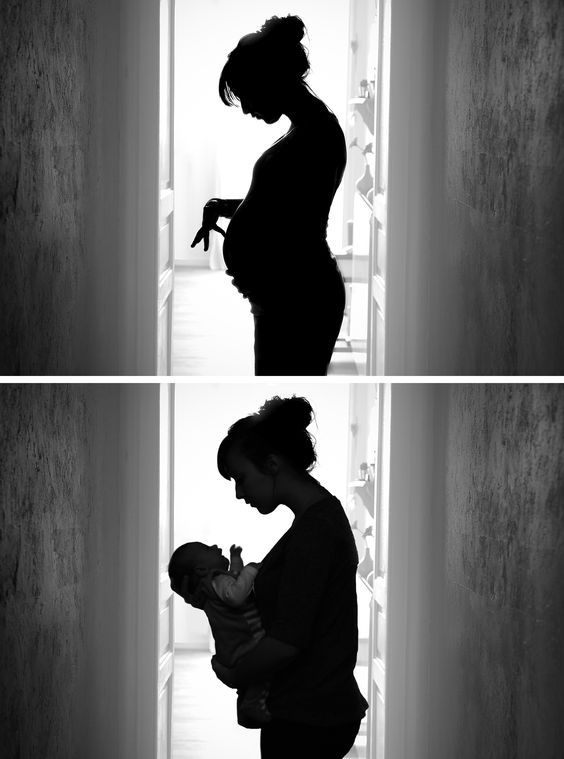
(236, 628)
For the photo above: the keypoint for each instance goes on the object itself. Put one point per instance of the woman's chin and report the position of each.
(268, 118)
(265, 509)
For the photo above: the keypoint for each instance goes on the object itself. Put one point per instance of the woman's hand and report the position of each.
(223, 673)
(209, 222)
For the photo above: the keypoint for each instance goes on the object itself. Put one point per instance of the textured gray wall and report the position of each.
(498, 263)
(58, 539)
(503, 515)
(58, 185)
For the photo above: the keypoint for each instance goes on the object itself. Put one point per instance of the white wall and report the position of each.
(205, 504)
(216, 146)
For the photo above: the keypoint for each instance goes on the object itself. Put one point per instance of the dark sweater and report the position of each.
(306, 595)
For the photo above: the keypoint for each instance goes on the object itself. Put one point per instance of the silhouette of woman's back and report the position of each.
(275, 247)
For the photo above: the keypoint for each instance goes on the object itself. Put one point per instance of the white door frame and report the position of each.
(410, 188)
(138, 583)
(406, 445)
(409, 590)
(139, 184)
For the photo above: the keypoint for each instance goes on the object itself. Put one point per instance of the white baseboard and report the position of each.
(192, 263)
(204, 646)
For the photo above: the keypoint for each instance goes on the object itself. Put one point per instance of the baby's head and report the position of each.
(195, 560)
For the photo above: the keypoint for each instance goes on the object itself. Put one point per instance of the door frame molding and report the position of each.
(409, 183)
(138, 584)
(139, 184)
(412, 472)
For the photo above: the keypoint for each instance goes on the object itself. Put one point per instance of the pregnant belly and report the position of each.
(248, 253)
(266, 258)
(238, 237)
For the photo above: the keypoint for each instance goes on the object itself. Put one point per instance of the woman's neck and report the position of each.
(301, 105)
(300, 494)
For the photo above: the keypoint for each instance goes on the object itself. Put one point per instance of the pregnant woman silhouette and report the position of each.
(275, 246)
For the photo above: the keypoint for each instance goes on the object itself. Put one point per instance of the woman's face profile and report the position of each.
(252, 485)
(260, 105)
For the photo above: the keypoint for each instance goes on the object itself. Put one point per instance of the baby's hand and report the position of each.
(235, 560)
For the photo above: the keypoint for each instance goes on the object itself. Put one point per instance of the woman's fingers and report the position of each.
(201, 234)
(222, 673)
(204, 234)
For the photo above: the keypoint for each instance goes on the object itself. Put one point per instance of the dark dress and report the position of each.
(306, 595)
(276, 250)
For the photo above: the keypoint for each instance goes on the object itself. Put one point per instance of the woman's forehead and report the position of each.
(235, 460)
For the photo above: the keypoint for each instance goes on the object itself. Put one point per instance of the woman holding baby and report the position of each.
(304, 590)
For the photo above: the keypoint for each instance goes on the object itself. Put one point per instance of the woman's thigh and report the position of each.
(298, 338)
(290, 740)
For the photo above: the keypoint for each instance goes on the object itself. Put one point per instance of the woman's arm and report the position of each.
(267, 658)
(226, 208)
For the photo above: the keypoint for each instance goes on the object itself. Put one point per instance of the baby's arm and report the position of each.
(234, 590)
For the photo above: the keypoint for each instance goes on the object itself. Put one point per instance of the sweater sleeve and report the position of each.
(235, 590)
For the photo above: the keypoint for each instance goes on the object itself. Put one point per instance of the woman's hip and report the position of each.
(320, 295)
(281, 739)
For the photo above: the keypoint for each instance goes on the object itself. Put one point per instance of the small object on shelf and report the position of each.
(365, 106)
(366, 566)
(365, 490)
(367, 148)
(367, 532)
(363, 471)
(365, 183)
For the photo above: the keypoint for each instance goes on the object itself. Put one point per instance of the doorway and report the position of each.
(215, 150)
(206, 510)
(381, 458)
(387, 274)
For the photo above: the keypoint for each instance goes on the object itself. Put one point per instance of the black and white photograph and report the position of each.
(281, 379)
(349, 187)
(282, 569)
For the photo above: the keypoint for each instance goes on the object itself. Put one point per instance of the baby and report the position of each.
(221, 588)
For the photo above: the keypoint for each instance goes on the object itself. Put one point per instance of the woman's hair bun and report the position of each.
(289, 29)
(274, 57)
(279, 426)
(292, 413)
